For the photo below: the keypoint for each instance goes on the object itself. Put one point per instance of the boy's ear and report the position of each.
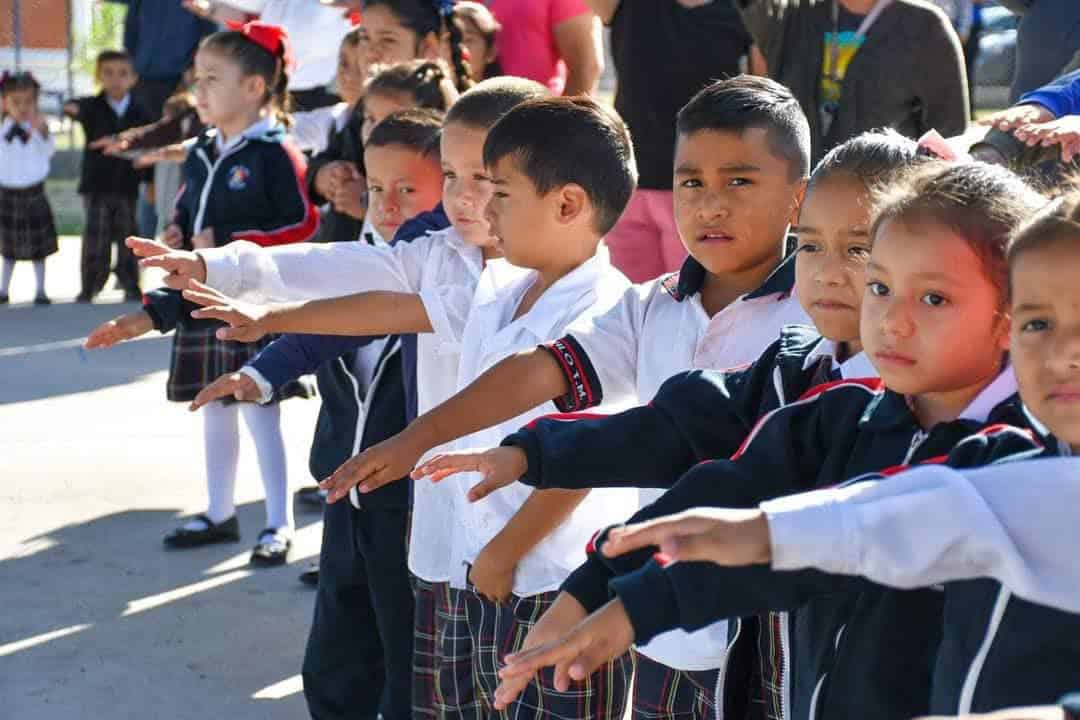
(800, 195)
(571, 203)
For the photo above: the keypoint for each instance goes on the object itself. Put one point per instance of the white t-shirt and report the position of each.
(491, 334)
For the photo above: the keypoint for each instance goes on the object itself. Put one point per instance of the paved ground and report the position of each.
(96, 620)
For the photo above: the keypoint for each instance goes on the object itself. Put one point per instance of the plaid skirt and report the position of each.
(27, 229)
(199, 358)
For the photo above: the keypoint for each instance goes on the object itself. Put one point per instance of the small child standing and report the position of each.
(242, 181)
(109, 185)
(27, 230)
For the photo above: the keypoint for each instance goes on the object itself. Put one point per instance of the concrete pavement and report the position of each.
(96, 619)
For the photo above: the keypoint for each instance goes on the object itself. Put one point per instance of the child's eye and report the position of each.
(879, 289)
(374, 189)
(1036, 325)
(739, 182)
(406, 190)
(692, 183)
(448, 174)
(806, 247)
(934, 300)
(500, 194)
(859, 252)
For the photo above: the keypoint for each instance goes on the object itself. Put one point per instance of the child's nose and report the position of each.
(896, 320)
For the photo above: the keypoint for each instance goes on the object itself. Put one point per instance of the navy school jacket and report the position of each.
(853, 649)
(696, 415)
(354, 416)
(252, 191)
(1000, 650)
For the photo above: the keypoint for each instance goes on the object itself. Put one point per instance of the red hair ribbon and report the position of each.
(271, 38)
(355, 18)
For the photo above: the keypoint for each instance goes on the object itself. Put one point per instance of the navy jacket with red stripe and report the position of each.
(855, 649)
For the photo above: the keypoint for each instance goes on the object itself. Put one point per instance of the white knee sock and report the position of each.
(39, 276)
(221, 438)
(264, 423)
(6, 271)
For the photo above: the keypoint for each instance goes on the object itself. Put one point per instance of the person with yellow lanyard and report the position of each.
(856, 65)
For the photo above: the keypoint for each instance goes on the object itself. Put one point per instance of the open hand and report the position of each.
(379, 465)
(348, 198)
(247, 322)
(500, 467)
(1017, 116)
(119, 329)
(599, 639)
(719, 535)
(1064, 131)
(181, 266)
(236, 385)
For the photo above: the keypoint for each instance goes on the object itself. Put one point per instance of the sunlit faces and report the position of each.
(402, 183)
(20, 105)
(931, 317)
(832, 250)
(734, 199)
(352, 69)
(116, 78)
(480, 52)
(466, 184)
(377, 106)
(224, 96)
(1045, 337)
(390, 42)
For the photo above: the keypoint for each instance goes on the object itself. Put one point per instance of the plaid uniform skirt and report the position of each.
(27, 229)
(664, 693)
(443, 682)
(199, 358)
(497, 630)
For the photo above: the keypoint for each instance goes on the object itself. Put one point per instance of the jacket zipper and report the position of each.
(785, 667)
(916, 440)
(211, 169)
(361, 410)
(967, 694)
(719, 699)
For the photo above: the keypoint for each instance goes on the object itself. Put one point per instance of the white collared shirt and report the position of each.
(856, 366)
(490, 334)
(24, 164)
(256, 129)
(645, 339)
(120, 107)
(442, 265)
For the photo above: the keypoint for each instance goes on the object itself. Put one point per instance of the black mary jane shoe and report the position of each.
(222, 532)
(271, 550)
(42, 300)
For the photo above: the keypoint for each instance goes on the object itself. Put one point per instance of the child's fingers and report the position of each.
(485, 487)
(446, 464)
(243, 333)
(346, 477)
(214, 312)
(509, 689)
(529, 662)
(375, 481)
(220, 388)
(145, 248)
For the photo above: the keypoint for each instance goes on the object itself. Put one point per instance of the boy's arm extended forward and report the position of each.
(508, 389)
(368, 313)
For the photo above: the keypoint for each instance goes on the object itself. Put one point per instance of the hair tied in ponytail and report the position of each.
(271, 38)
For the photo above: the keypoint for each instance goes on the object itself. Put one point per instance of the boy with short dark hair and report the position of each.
(109, 185)
(742, 158)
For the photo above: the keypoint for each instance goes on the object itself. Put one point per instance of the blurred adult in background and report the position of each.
(856, 65)
(1047, 41)
(664, 51)
(315, 32)
(554, 42)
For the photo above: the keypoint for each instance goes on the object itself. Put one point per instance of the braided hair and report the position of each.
(426, 81)
(425, 17)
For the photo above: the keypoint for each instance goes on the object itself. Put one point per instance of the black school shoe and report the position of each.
(4, 299)
(310, 577)
(271, 550)
(224, 531)
(42, 300)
